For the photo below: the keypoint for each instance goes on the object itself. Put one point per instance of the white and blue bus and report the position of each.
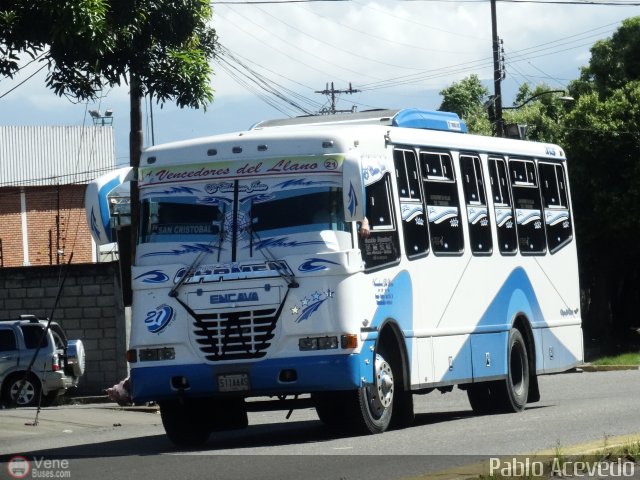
(347, 263)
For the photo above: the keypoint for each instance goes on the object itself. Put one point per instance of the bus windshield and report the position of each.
(179, 219)
(300, 210)
(207, 218)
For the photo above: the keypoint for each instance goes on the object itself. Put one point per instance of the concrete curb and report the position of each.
(607, 368)
(87, 400)
(103, 401)
(134, 408)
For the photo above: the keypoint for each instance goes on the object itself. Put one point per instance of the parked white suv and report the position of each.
(58, 365)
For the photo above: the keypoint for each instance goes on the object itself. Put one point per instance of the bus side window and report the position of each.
(476, 201)
(556, 205)
(414, 225)
(443, 207)
(502, 206)
(526, 198)
(382, 246)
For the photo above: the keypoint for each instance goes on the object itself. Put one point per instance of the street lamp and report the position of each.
(564, 98)
(99, 119)
(514, 130)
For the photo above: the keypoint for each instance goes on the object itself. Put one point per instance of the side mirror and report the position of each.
(352, 190)
(96, 203)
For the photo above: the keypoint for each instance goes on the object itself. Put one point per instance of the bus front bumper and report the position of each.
(303, 375)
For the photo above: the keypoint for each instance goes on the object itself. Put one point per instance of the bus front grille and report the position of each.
(235, 335)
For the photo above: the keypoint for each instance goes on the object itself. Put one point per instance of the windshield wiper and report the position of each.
(269, 257)
(196, 262)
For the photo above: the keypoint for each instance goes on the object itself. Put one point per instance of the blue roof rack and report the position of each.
(429, 119)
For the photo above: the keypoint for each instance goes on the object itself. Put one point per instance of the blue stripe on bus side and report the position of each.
(515, 297)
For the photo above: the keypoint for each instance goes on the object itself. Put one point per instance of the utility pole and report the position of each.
(331, 93)
(128, 235)
(135, 149)
(497, 72)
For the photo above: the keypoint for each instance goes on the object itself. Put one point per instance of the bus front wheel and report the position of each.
(376, 400)
(184, 423)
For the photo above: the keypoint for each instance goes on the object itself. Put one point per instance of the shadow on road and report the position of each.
(254, 436)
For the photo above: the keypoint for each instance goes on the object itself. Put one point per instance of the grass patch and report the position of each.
(622, 359)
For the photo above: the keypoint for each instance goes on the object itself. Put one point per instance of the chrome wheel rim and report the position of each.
(381, 394)
(26, 396)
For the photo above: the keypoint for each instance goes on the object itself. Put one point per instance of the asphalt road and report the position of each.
(578, 411)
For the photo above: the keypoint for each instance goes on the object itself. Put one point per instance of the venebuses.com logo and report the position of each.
(39, 467)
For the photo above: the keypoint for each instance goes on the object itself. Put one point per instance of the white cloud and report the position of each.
(304, 46)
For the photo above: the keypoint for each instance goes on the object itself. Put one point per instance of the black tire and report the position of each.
(50, 399)
(29, 393)
(403, 413)
(332, 408)
(226, 414)
(511, 394)
(184, 423)
(480, 398)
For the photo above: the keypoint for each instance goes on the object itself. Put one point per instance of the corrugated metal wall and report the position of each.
(54, 155)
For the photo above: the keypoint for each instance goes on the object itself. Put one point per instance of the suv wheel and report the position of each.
(29, 393)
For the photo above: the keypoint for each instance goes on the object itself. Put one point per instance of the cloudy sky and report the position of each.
(274, 57)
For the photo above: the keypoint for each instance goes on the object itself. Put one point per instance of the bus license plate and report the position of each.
(236, 382)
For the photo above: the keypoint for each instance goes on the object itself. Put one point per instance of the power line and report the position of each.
(23, 82)
(344, 50)
(290, 57)
(53, 178)
(621, 3)
(267, 85)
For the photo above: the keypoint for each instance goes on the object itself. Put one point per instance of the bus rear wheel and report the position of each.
(480, 398)
(511, 394)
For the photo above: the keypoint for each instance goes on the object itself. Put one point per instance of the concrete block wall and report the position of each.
(90, 308)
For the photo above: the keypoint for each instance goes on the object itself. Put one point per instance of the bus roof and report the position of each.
(336, 136)
(406, 118)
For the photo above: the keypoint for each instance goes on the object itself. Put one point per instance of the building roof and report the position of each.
(37, 155)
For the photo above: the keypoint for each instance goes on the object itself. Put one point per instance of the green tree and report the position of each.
(163, 46)
(614, 61)
(160, 47)
(467, 98)
(603, 143)
(600, 131)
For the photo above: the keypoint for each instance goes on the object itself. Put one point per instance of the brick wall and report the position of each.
(55, 218)
(89, 309)
(10, 227)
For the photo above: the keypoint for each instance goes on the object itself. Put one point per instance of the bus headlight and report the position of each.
(155, 354)
(317, 343)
